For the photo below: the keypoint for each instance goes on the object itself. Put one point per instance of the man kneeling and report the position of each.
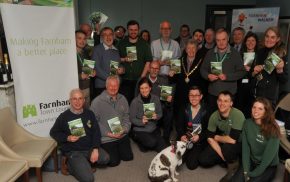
(224, 130)
(78, 133)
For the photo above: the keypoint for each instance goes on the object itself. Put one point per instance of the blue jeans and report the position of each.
(79, 165)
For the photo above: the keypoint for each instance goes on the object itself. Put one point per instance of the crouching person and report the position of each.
(224, 131)
(77, 132)
(112, 112)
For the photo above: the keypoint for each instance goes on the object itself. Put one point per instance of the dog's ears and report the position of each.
(173, 146)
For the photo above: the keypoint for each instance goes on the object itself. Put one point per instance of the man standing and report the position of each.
(119, 32)
(77, 132)
(184, 36)
(222, 67)
(238, 37)
(112, 107)
(82, 54)
(135, 57)
(158, 81)
(165, 48)
(198, 36)
(103, 54)
(224, 131)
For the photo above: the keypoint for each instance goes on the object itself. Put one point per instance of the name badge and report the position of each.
(245, 80)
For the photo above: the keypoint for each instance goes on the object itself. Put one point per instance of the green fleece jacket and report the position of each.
(258, 149)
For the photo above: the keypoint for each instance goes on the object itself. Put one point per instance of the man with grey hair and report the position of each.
(112, 112)
(165, 48)
(78, 134)
(238, 37)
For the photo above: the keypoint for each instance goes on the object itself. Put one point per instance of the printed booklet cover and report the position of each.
(271, 62)
(115, 125)
(76, 127)
(165, 92)
(175, 65)
(216, 68)
(88, 66)
(249, 58)
(114, 65)
(149, 110)
(131, 53)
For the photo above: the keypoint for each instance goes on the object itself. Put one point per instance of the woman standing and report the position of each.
(248, 51)
(189, 76)
(266, 83)
(194, 116)
(260, 141)
(144, 121)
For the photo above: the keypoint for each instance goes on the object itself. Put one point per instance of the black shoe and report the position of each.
(232, 169)
(142, 148)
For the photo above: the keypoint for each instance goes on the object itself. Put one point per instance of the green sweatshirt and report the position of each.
(258, 149)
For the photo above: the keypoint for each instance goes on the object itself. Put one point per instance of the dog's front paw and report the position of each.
(176, 173)
(174, 179)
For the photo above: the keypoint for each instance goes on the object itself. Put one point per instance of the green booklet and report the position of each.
(76, 128)
(165, 92)
(114, 65)
(271, 62)
(91, 42)
(175, 65)
(249, 58)
(131, 53)
(166, 55)
(216, 68)
(149, 110)
(115, 125)
(88, 66)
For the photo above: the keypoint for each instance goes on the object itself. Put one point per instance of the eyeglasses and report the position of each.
(154, 68)
(194, 96)
(77, 99)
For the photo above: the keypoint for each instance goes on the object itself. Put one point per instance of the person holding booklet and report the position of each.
(195, 113)
(78, 134)
(223, 136)
(164, 49)
(270, 70)
(260, 144)
(107, 59)
(85, 65)
(222, 67)
(145, 112)
(244, 97)
(135, 57)
(164, 90)
(189, 76)
(112, 113)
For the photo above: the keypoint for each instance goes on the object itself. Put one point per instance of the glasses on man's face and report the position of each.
(74, 99)
(154, 68)
(194, 96)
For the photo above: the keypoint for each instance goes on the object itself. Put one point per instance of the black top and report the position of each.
(60, 131)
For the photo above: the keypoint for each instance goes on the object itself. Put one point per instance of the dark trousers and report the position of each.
(79, 165)
(179, 121)
(128, 89)
(211, 103)
(209, 157)
(166, 120)
(191, 156)
(119, 150)
(243, 100)
(92, 88)
(149, 140)
(267, 176)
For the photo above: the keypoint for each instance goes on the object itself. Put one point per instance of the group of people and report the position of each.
(214, 89)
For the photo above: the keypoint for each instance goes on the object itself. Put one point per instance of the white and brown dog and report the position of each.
(163, 166)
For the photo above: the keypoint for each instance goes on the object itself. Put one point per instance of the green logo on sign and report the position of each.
(29, 110)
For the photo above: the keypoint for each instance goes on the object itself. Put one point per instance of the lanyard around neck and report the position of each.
(223, 58)
(162, 45)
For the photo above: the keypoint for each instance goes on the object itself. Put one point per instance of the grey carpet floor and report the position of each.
(136, 171)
